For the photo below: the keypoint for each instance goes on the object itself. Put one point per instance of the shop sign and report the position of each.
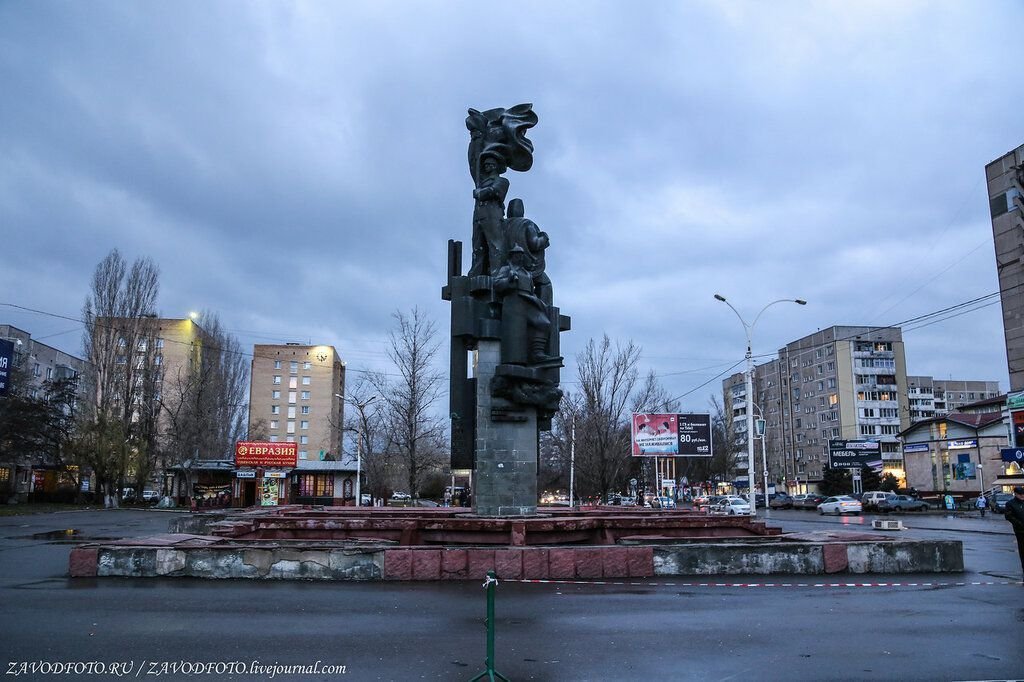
(1012, 455)
(245, 474)
(260, 454)
(962, 444)
(915, 447)
(1015, 401)
(853, 454)
(275, 474)
(268, 492)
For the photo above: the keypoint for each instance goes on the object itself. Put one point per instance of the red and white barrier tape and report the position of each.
(716, 584)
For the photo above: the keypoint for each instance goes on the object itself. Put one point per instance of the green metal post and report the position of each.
(489, 672)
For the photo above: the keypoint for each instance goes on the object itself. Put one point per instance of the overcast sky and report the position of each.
(299, 167)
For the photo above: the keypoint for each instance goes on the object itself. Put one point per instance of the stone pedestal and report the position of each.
(505, 481)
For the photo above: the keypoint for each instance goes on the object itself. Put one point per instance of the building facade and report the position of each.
(928, 397)
(954, 453)
(1005, 179)
(36, 477)
(840, 383)
(296, 396)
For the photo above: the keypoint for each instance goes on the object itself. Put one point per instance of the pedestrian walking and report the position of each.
(1015, 515)
(981, 504)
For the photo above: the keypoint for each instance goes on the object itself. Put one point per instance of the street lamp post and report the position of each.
(749, 330)
(359, 446)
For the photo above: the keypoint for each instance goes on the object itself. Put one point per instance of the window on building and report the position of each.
(304, 424)
(833, 399)
(277, 364)
(305, 381)
(291, 426)
(291, 397)
(832, 383)
(305, 395)
(303, 454)
(307, 365)
(293, 382)
(276, 395)
(273, 438)
(304, 440)
(289, 439)
(273, 423)
(867, 429)
(868, 412)
(294, 367)
(159, 360)
(159, 343)
(275, 409)
(890, 429)
(277, 378)
(291, 412)
(316, 485)
(305, 409)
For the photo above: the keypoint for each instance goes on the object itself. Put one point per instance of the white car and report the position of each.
(842, 504)
(401, 496)
(732, 505)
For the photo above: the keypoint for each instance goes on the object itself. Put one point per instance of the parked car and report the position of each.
(400, 496)
(841, 504)
(872, 499)
(780, 501)
(709, 503)
(997, 502)
(731, 505)
(901, 503)
(665, 502)
(807, 501)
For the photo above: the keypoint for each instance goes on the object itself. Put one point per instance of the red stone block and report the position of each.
(508, 563)
(454, 564)
(562, 564)
(615, 562)
(535, 563)
(397, 564)
(480, 561)
(426, 564)
(641, 562)
(836, 559)
(83, 562)
(588, 563)
(518, 534)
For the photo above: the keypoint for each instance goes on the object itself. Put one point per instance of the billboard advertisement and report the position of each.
(259, 454)
(853, 454)
(671, 435)
(6, 363)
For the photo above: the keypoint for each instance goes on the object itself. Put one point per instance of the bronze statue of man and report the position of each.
(488, 215)
(513, 279)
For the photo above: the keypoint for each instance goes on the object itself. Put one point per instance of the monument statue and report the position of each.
(503, 315)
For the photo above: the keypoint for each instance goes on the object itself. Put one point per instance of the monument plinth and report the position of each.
(503, 316)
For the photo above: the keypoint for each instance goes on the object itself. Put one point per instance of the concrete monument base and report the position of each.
(505, 482)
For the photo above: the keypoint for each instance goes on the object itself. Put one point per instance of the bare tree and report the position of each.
(600, 411)
(202, 405)
(368, 424)
(118, 345)
(415, 431)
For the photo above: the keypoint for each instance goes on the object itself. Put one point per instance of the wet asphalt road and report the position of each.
(652, 630)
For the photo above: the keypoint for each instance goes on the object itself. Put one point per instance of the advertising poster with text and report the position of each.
(655, 434)
(671, 435)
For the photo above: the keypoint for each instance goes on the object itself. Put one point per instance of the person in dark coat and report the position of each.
(1015, 515)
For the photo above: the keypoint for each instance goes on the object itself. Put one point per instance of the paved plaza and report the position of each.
(941, 627)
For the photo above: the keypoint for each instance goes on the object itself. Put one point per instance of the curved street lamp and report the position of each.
(749, 331)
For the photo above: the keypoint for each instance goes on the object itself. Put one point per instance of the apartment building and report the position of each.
(1005, 178)
(928, 397)
(840, 383)
(40, 363)
(296, 396)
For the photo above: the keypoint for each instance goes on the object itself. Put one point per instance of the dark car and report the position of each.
(807, 501)
(998, 501)
(780, 501)
(901, 503)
